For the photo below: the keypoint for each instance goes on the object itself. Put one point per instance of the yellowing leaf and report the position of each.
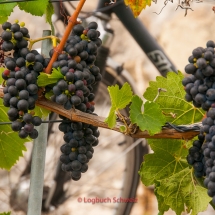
(137, 5)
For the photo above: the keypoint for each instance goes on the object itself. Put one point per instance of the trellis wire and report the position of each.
(179, 128)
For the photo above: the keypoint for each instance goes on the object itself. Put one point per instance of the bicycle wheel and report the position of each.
(115, 153)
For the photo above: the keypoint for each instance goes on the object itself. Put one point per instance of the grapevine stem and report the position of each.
(53, 38)
(159, 90)
(72, 21)
(122, 118)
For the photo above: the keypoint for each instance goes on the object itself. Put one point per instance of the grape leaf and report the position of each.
(49, 94)
(6, 10)
(137, 5)
(176, 109)
(169, 158)
(45, 79)
(1, 71)
(37, 7)
(176, 187)
(5, 213)
(162, 207)
(120, 98)
(151, 119)
(49, 12)
(122, 128)
(181, 190)
(41, 112)
(11, 146)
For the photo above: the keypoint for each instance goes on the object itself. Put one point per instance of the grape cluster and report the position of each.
(20, 75)
(14, 36)
(76, 64)
(200, 89)
(196, 157)
(200, 85)
(80, 138)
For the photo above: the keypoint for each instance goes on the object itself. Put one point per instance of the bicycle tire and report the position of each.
(134, 157)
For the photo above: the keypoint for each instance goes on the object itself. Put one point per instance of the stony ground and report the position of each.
(177, 34)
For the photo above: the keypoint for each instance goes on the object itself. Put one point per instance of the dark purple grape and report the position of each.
(197, 53)
(61, 99)
(210, 43)
(82, 158)
(34, 134)
(36, 120)
(23, 134)
(92, 25)
(22, 105)
(6, 25)
(69, 76)
(62, 85)
(75, 100)
(24, 94)
(210, 94)
(65, 159)
(78, 29)
(71, 88)
(28, 128)
(32, 89)
(6, 35)
(30, 57)
(7, 46)
(20, 84)
(16, 125)
(76, 165)
(73, 155)
(208, 56)
(27, 118)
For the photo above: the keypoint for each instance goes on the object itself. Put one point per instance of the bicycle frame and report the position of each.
(140, 34)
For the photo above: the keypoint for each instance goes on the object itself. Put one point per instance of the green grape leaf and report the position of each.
(169, 158)
(45, 79)
(6, 10)
(49, 94)
(5, 213)
(172, 103)
(41, 112)
(1, 71)
(151, 119)
(137, 5)
(11, 146)
(181, 190)
(122, 128)
(120, 98)
(49, 12)
(162, 207)
(36, 8)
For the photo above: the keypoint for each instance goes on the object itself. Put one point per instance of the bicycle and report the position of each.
(127, 150)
